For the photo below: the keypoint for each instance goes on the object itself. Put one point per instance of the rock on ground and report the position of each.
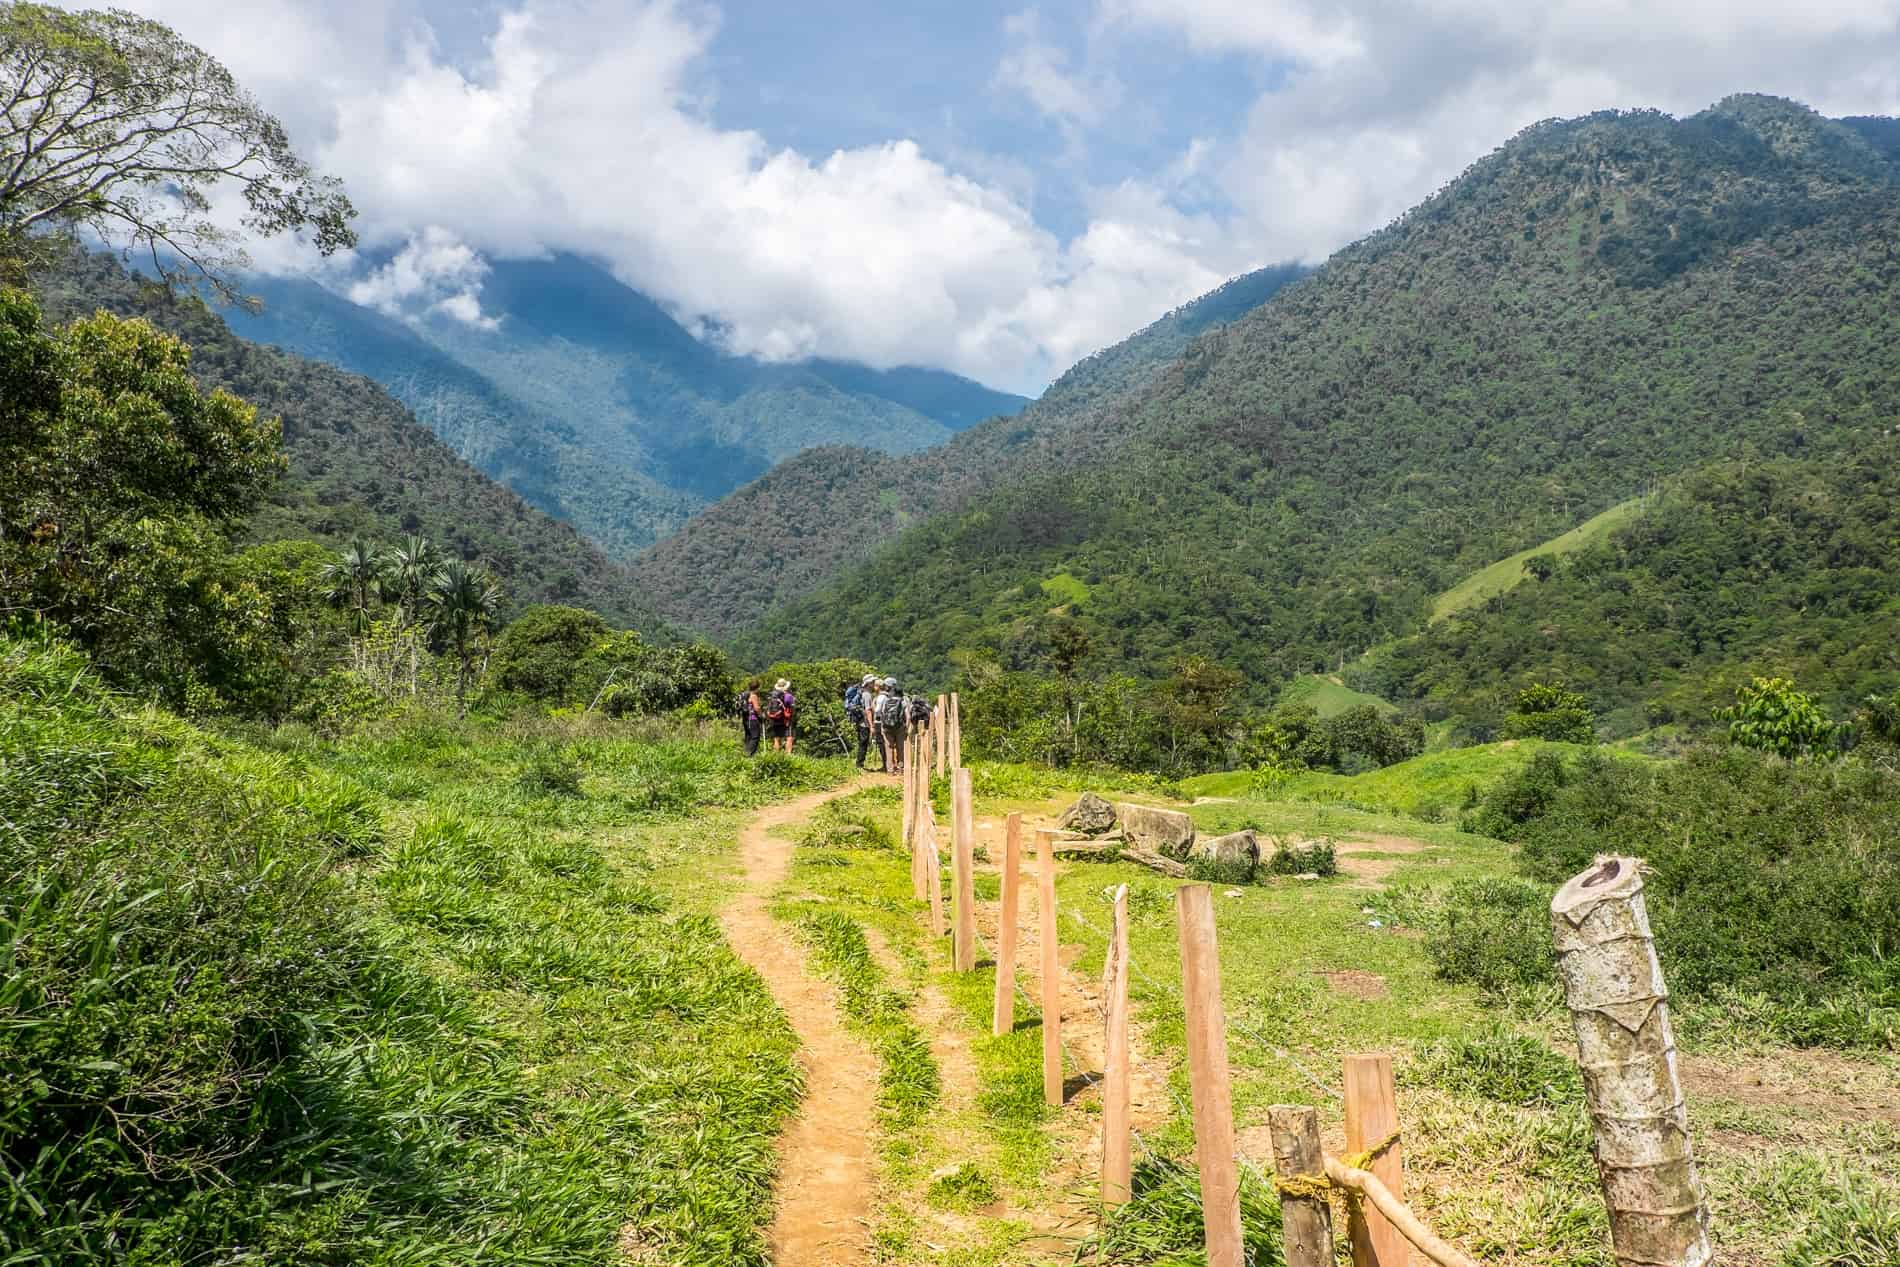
(1236, 854)
(1089, 816)
(1167, 832)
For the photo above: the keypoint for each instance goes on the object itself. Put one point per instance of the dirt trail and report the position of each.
(825, 1174)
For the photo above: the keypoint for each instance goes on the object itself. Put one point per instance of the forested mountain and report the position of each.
(360, 464)
(1778, 567)
(806, 520)
(1601, 303)
(595, 405)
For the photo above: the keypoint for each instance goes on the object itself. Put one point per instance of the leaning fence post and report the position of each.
(1372, 1125)
(963, 870)
(1051, 968)
(1299, 1164)
(1003, 1011)
(1619, 1007)
(1117, 1184)
(1207, 1075)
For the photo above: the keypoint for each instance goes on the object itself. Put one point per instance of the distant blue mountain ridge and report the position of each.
(595, 405)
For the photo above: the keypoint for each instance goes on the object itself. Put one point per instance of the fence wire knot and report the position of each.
(1359, 1161)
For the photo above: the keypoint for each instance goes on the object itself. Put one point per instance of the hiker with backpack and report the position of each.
(857, 708)
(892, 712)
(781, 716)
(751, 716)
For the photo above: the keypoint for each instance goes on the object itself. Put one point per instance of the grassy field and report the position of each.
(1329, 696)
(1799, 1149)
(1507, 572)
(1434, 786)
(445, 993)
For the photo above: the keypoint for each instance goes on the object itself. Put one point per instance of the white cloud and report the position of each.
(434, 272)
(1039, 71)
(1382, 101)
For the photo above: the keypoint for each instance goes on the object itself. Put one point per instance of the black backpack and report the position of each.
(776, 708)
(742, 705)
(890, 710)
(919, 710)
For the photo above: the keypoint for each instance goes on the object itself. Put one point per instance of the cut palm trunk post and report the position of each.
(940, 726)
(1117, 1163)
(1208, 1077)
(1619, 1006)
(1372, 1127)
(963, 870)
(1051, 968)
(933, 863)
(1003, 1011)
(1299, 1167)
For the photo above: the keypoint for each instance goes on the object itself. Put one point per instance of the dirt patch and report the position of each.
(826, 1179)
(1383, 844)
(1357, 983)
(1817, 1081)
(1369, 871)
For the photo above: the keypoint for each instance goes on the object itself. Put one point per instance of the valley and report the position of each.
(1397, 759)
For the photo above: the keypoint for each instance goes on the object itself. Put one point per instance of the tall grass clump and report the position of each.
(1163, 1219)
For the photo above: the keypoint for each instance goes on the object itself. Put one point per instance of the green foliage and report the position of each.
(1163, 1221)
(1769, 714)
(1762, 876)
(1546, 710)
(965, 1188)
(1858, 1225)
(538, 654)
(360, 465)
(1498, 1063)
(1317, 857)
(217, 1041)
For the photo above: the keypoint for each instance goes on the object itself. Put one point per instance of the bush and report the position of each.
(1315, 858)
(1495, 934)
(1769, 714)
(1549, 711)
(540, 653)
(1516, 800)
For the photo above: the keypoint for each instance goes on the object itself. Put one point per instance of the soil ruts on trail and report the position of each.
(826, 1179)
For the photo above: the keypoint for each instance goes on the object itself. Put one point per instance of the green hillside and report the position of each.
(1776, 566)
(598, 407)
(1601, 303)
(1328, 695)
(1507, 573)
(360, 464)
(810, 519)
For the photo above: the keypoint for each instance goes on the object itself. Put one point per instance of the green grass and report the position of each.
(1506, 573)
(1329, 696)
(445, 993)
(1433, 786)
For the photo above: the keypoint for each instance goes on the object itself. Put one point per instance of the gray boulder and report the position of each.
(1089, 816)
(1232, 857)
(1167, 832)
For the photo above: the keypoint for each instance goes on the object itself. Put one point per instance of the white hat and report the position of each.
(781, 685)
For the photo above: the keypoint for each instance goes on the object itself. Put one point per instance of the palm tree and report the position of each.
(411, 566)
(352, 579)
(464, 604)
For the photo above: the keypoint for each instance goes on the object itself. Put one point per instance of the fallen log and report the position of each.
(1084, 847)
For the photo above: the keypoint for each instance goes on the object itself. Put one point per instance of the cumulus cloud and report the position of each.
(434, 272)
(1039, 70)
(1382, 101)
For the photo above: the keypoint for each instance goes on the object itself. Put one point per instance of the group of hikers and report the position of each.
(876, 706)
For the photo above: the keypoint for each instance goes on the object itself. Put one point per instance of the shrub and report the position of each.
(1549, 711)
(1769, 714)
(1516, 800)
(1316, 857)
(539, 654)
(1495, 934)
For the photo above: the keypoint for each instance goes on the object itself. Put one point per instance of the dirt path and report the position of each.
(825, 1173)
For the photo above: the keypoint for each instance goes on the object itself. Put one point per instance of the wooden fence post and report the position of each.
(1619, 1007)
(1117, 1164)
(940, 726)
(933, 863)
(1051, 967)
(956, 732)
(1003, 1012)
(963, 870)
(1372, 1123)
(1300, 1163)
(1208, 1076)
(910, 807)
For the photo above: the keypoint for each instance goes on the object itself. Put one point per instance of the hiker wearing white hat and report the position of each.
(781, 716)
(857, 710)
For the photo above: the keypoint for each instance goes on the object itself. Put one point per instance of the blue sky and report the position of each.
(993, 188)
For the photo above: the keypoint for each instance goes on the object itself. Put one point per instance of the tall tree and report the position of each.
(410, 568)
(353, 579)
(464, 605)
(116, 123)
